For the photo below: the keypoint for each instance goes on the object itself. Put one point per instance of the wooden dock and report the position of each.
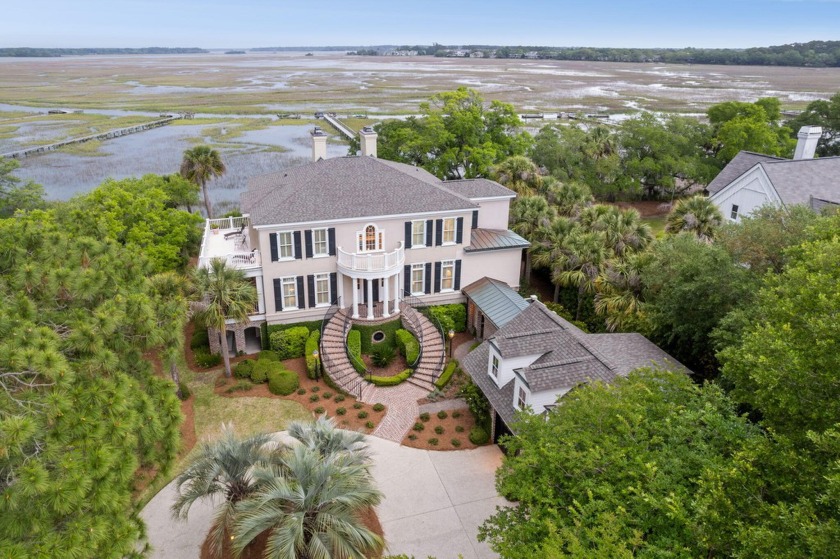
(341, 127)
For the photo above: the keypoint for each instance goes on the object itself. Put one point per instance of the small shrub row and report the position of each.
(290, 343)
(408, 345)
(311, 347)
(391, 381)
(444, 379)
(283, 382)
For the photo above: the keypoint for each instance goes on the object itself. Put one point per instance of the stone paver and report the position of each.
(402, 408)
(443, 405)
(433, 504)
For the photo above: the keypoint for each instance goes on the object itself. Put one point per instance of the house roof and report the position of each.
(740, 164)
(627, 352)
(797, 181)
(497, 300)
(494, 239)
(501, 399)
(346, 188)
(479, 188)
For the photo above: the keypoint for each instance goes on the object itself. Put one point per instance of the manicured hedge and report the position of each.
(283, 382)
(268, 355)
(289, 343)
(354, 347)
(261, 369)
(408, 345)
(478, 435)
(243, 369)
(312, 346)
(451, 317)
(447, 374)
(388, 328)
(391, 381)
(309, 325)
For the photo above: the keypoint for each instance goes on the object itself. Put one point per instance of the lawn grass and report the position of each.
(657, 224)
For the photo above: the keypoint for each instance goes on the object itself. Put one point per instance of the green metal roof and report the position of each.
(499, 303)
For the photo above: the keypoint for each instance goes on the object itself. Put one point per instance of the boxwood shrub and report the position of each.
(408, 345)
(261, 369)
(268, 355)
(282, 381)
(391, 381)
(290, 343)
(312, 346)
(478, 435)
(447, 374)
(243, 369)
(354, 347)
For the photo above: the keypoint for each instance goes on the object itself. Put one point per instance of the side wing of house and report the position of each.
(745, 194)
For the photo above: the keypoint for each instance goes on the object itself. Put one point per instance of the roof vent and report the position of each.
(534, 297)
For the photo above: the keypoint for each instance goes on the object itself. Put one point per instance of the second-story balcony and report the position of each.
(229, 239)
(361, 263)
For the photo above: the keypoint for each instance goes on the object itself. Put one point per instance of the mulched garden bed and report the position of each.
(314, 396)
(450, 423)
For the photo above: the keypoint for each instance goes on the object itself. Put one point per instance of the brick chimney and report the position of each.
(319, 144)
(806, 143)
(367, 140)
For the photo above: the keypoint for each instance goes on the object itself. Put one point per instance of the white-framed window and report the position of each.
(370, 239)
(418, 279)
(285, 245)
(418, 233)
(322, 289)
(447, 275)
(494, 367)
(520, 399)
(290, 294)
(448, 235)
(734, 213)
(320, 242)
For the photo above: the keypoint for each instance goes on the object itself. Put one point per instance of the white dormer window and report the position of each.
(494, 367)
(521, 399)
(370, 239)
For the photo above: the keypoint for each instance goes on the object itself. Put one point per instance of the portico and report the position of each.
(375, 277)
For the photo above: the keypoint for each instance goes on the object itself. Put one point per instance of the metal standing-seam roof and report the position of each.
(494, 239)
(497, 300)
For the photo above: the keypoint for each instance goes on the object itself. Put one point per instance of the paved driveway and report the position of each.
(433, 505)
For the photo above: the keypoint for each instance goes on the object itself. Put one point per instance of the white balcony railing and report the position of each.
(371, 262)
(229, 239)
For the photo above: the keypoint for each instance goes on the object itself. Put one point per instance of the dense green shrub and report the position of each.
(370, 425)
(240, 386)
(326, 395)
(261, 369)
(200, 339)
(439, 429)
(184, 391)
(433, 441)
(418, 426)
(205, 359)
(282, 382)
(354, 348)
(451, 317)
(378, 407)
(442, 414)
(459, 428)
(383, 355)
(319, 410)
(366, 335)
(357, 405)
(309, 325)
(408, 345)
(424, 417)
(444, 379)
(339, 398)
(456, 442)
(315, 388)
(301, 391)
(478, 435)
(391, 381)
(456, 414)
(243, 369)
(341, 411)
(314, 398)
(362, 414)
(290, 343)
(311, 347)
(478, 404)
(268, 355)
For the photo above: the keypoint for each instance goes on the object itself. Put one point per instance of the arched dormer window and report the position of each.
(370, 239)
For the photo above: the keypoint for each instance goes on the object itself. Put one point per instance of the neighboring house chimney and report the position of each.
(319, 144)
(367, 139)
(806, 144)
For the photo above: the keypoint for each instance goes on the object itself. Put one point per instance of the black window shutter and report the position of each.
(374, 289)
(297, 244)
(407, 279)
(310, 283)
(428, 286)
(475, 220)
(331, 237)
(459, 230)
(278, 293)
(272, 237)
(299, 293)
(437, 277)
(429, 223)
(438, 232)
(333, 287)
(457, 275)
(408, 234)
(307, 237)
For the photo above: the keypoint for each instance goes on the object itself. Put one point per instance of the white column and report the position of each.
(387, 303)
(339, 278)
(397, 291)
(355, 298)
(260, 296)
(369, 284)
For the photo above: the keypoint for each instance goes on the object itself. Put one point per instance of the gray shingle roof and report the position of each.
(499, 303)
(344, 188)
(626, 352)
(501, 399)
(479, 188)
(494, 239)
(740, 164)
(799, 180)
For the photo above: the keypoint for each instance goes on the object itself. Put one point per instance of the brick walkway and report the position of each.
(402, 408)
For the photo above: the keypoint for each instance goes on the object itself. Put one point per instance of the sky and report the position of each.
(267, 23)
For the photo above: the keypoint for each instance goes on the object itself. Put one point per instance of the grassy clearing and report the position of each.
(85, 149)
(657, 224)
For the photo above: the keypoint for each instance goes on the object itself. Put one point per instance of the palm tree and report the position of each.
(619, 292)
(312, 509)
(567, 199)
(626, 232)
(528, 215)
(586, 258)
(227, 295)
(697, 215)
(199, 165)
(224, 468)
(324, 437)
(518, 173)
(550, 249)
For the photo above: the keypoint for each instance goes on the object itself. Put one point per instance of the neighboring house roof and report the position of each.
(496, 300)
(347, 187)
(494, 239)
(740, 164)
(797, 181)
(566, 356)
(479, 188)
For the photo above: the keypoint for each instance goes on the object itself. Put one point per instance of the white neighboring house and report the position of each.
(537, 357)
(752, 180)
(362, 233)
